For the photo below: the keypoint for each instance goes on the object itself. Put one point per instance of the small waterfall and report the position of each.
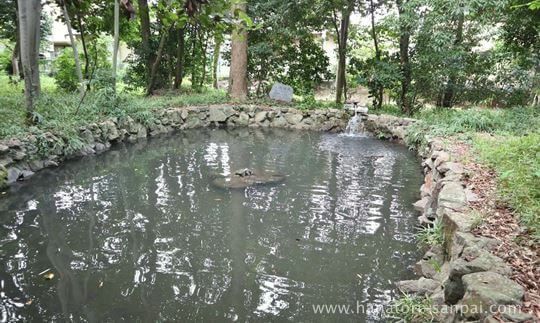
(355, 127)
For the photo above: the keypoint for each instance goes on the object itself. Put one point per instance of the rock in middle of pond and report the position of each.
(246, 177)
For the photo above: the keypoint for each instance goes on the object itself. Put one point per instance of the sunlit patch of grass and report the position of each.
(516, 159)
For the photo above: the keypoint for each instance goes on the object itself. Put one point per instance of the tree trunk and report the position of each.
(15, 58)
(85, 50)
(450, 90)
(179, 70)
(378, 90)
(78, 69)
(159, 55)
(116, 39)
(144, 14)
(29, 23)
(238, 86)
(343, 34)
(215, 60)
(204, 48)
(406, 77)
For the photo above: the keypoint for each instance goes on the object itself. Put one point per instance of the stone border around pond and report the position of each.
(20, 158)
(462, 278)
(461, 273)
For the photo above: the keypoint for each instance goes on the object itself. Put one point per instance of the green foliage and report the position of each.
(308, 102)
(411, 308)
(5, 62)
(432, 235)
(65, 73)
(65, 76)
(517, 162)
(283, 47)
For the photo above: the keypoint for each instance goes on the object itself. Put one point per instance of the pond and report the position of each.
(140, 233)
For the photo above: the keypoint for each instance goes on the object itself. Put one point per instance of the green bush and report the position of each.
(65, 73)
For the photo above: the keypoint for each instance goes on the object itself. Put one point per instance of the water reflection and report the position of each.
(139, 233)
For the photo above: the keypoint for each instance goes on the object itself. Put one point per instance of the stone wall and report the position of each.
(462, 272)
(20, 158)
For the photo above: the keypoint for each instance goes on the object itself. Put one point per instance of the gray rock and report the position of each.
(420, 206)
(13, 175)
(109, 131)
(100, 147)
(13, 143)
(18, 155)
(294, 118)
(474, 260)
(193, 122)
(513, 314)
(261, 116)
(281, 92)
(217, 115)
(3, 149)
(184, 114)
(445, 167)
(471, 260)
(36, 165)
(243, 119)
(486, 289)
(280, 122)
(87, 136)
(452, 196)
(421, 286)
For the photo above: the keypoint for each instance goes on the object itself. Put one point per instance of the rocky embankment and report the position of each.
(21, 157)
(463, 279)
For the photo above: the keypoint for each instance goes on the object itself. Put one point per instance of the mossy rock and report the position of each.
(241, 182)
(3, 177)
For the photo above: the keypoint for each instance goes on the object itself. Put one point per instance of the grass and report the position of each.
(508, 140)
(431, 235)
(60, 112)
(516, 159)
(411, 308)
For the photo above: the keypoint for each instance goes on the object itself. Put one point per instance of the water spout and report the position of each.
(356, 127)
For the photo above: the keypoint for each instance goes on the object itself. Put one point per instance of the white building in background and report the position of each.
(59, 37)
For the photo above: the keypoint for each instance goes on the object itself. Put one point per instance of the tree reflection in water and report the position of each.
(140, 234)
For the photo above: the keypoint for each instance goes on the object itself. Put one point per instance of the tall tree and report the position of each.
(405, 100)
(238, 87)
(341, 26)
(29, 29)
(378, 89)
(144, 16)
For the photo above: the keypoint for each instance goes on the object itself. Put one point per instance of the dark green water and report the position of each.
(140, 234)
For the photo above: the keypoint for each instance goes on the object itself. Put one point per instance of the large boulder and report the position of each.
(452, 196)
(488, 290)
(217, 115)
(281, 92)
(420, 287)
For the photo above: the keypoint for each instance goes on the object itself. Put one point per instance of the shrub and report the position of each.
(65, 74)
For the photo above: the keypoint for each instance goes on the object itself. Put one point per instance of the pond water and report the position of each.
(141, 234)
